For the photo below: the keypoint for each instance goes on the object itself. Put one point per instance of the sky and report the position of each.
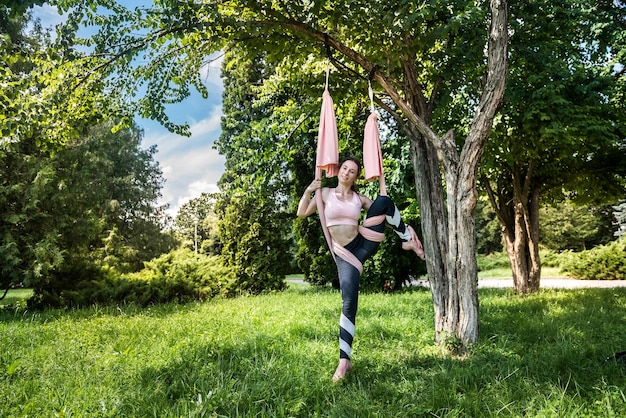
(190, 165)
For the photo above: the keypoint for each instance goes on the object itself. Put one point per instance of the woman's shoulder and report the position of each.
(365, 201)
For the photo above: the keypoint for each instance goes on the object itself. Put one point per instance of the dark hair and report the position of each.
(358, 168)
(354, 160)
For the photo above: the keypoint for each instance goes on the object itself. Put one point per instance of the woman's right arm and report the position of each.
(307, 206)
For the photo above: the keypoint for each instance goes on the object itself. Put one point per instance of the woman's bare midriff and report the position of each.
(343, 234)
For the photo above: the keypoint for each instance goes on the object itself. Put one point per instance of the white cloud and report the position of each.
(190, 165)
(49, 15)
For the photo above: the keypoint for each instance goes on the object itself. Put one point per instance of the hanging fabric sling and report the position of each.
(327, 153)
(372, 155)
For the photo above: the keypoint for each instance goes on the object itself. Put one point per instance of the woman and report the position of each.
(352, 244)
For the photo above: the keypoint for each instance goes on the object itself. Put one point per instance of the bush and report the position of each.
(605, 262)
(71, 285)
(179, 276)
(492, 261)
(550, 258)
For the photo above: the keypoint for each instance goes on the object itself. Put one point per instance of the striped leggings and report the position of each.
(351, 257)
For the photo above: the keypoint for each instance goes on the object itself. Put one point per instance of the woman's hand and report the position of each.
(315, 184)
(307, 206)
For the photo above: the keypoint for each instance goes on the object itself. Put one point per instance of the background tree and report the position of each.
(488, 229)
(573, 227)
(255, 224)
(89, 205)
(620, 217)
(196, 225)
(119, 183)
(24, 256)
(561, 130)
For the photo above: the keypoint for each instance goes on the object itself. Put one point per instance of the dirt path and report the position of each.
(560, 282)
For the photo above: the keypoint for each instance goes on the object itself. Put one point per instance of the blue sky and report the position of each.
(190, 164)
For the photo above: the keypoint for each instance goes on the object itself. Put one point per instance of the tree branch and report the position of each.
(368, 66)
(494, 87)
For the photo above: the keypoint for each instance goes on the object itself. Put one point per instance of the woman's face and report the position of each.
(348, 172)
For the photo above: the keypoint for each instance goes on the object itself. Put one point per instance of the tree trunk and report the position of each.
(448, 226)
(449, 241)
(519, 219)
(522, 244)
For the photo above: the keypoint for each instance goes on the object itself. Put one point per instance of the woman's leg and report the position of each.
(383, 205)
(349, 279)
(349, 285)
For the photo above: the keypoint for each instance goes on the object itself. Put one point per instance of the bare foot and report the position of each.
(342, 369)
(414, 245)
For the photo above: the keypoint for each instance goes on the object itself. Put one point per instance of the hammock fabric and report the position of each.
(327, 159)
(372, 155)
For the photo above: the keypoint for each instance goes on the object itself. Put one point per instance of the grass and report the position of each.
(15, 297)
(273, 356)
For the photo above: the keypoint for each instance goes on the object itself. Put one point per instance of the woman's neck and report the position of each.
(344, 189)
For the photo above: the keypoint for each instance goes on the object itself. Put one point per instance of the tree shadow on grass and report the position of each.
(536, 354)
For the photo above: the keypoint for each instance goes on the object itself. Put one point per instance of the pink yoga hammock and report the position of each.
(327, 158)
(327, 153)
(372, 155)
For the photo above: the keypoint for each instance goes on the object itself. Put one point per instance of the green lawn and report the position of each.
(273, 356)
(16, 296)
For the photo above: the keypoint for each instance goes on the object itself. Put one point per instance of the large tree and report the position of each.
(255, 223)
(419, 55)
(561, 130)
(91, 203)
(196, 227)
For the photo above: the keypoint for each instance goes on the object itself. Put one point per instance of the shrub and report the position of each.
(605, 262)
(178, 276)
(68, 285)
(492, 261)
(185, 273)
(550, 258)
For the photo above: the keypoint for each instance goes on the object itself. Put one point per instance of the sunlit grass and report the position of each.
(15, 296)
(273, 355)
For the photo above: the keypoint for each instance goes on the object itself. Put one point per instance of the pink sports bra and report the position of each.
(339, 212)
